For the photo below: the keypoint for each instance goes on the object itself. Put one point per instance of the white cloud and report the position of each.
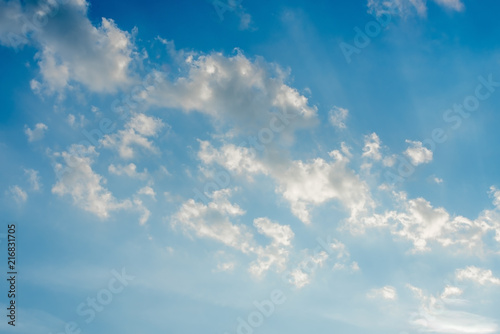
(355, 266)
(276, 253)
(302, 184)
(478, 275)
(70, 48)
(387, 292)
(437, 180)
(337, 117)
(299, 279)
(372, 147)
(136, 133)
(418, 221)
(247, 95)
(435, 315)
(35, 86)
(245, 21)
(339, 248)
(280, 234)
(451, 4)
(234, 158)
(148, 191)
(406, 8)
(306, 184)
(301, 275)
(421, 223)
(451, 291)
(33, 179)
(83, 185)
(130, 170)
(18, 194)
(212, 221)
(145, 212)
(417, 153)
(225, 267)
(233, 6)
(72, 121)
(11, 25)
(37, 133)
(101, 68)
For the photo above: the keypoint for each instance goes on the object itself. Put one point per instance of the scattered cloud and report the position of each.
(436, 314)
(37, 133)
(18, 194)
(337, 117)
(33, 179)
(85, 187)
(212, 221)
(74, 122)
(301, 275)
(451, 291)
(276, 253)
(387, 292)
(406, 8)
(148, 191)
(417, 153)
(372, 147)
(225, 267)
(247, 95)
(302, 184)
(477, 275)
(421, 223)
(130, 170)
(136, 133)
(437, 180)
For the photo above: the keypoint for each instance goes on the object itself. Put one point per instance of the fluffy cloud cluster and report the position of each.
(247, 95)
(478, 275)
(86, 188)
(417, 153)
(312, 183)
(277, 252)
(71, 49)
(136, 133)
(421, 223)
(213, 221)
(304, 184)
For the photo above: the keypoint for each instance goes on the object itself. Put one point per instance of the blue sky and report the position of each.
(252, 167)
